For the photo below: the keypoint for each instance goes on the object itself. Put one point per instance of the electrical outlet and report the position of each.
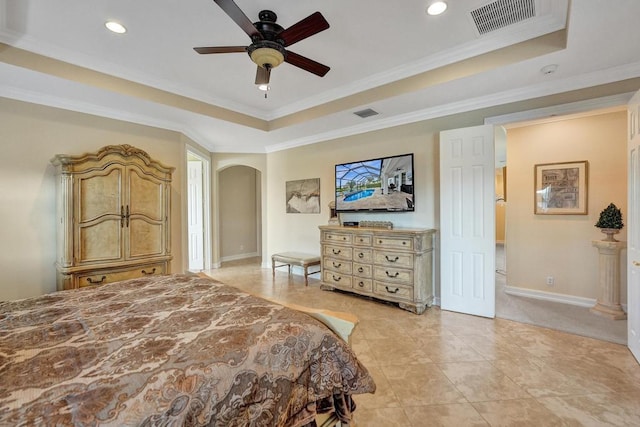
(550, 281)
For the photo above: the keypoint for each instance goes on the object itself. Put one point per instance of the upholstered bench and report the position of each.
(295, 258)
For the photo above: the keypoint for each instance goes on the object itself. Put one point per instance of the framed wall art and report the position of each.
(303, 196)
(561, 188)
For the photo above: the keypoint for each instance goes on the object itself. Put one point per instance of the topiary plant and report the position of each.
(611, 217)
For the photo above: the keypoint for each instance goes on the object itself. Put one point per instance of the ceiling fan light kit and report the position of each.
(266, 57)
(269, 40)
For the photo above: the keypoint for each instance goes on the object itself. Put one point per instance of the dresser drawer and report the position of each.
(345, 238)
(393, 291)
(363, 255)
(393, 242)
(99, 277)
(362, 270)
(362, 285)
(393, 259)
(336, 279)
(362, 239)
(337, 265)
(340, 252)
(393, 275)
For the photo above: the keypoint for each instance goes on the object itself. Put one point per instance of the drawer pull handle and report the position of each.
(360, 270)
(391, 260)
(344, 238)
(361, 240)
(149, 273)
(380, 241)
(390, 291)
(360, 255)
(404, 243)
(336, 252)
(392, 275)
(361, 284)
(337, 265)
(96, 282)
(336, 279)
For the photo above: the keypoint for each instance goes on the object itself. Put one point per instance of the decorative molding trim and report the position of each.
(550, 296)
(515, 95)
(554, 112)
(544, 25)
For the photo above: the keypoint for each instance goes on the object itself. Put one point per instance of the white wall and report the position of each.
(561, 245)
(30, 135)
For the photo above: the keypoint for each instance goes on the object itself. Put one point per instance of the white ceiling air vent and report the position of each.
(502, 13)
(366, 113)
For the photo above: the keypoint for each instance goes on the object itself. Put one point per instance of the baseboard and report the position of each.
(550, 296)
(239, 256)
(546, 296)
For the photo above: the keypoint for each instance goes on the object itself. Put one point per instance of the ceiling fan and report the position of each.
(269, 40)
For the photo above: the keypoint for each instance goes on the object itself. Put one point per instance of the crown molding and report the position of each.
(521, 94)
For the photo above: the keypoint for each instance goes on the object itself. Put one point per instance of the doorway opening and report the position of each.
(240, 220)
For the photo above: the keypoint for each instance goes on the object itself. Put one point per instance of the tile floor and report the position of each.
(448, 369)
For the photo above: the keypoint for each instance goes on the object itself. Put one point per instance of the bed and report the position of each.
(177, 350)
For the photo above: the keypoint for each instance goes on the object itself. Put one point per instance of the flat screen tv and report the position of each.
(377, 185)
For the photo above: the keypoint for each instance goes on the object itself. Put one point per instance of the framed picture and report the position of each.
(303, 196)
(561, 188)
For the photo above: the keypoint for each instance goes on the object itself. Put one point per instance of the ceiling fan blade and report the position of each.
(219, 49)
(263, 75)
(239, 17)
(309, 26)
(306, 64)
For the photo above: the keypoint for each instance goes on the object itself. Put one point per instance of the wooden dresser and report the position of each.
(391, 265)
(113, 216)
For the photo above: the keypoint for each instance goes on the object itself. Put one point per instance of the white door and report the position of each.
(467, 220)
(195, 210)
(633, 232)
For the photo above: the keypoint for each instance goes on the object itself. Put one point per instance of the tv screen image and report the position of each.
(383, 184)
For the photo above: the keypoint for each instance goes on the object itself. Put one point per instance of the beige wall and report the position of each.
(299, 232)
(536, 246)
(30, 135)
(219, 163)
(560, 245)
(238, 213)
(500, 204)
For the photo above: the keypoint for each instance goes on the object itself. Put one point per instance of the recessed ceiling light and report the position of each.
(116, 27)
(264, 87)
(436, 8)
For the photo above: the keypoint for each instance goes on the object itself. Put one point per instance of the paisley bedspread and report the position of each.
(173, 350)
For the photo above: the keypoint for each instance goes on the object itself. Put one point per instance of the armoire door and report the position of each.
(145, 214)
(98, 216)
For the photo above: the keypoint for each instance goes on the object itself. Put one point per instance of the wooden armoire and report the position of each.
(113, 216)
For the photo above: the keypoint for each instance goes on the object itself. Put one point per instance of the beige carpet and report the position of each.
(554, 315)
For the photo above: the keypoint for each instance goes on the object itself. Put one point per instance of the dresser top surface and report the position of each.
(375, 229)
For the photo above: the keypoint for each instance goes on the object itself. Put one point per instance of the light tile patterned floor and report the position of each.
(448, 369)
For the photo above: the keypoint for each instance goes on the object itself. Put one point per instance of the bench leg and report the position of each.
(306, 275)
(273, 268)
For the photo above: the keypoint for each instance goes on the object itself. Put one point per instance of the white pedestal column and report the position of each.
(608, 304)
